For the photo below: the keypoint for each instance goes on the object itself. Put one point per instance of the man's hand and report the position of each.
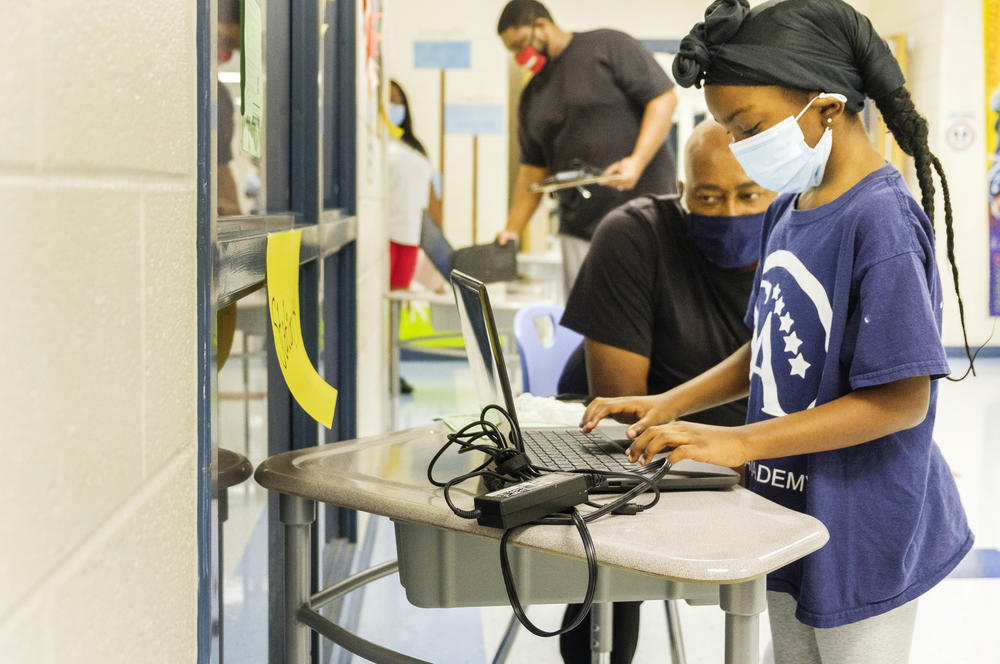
(630, 168)
(656, 119)
(505, 236)
(524, 204)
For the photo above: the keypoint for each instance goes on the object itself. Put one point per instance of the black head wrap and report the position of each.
(823, 45)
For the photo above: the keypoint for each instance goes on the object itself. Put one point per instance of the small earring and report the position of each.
(829, 120)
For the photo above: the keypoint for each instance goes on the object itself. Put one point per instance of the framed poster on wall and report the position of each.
(991, 53)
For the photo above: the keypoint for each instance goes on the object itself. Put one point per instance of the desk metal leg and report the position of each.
(602, 626)
(245, 365)
(674, 635)
(507, 642)
(223, 516)
(297, 514)
(743, 604)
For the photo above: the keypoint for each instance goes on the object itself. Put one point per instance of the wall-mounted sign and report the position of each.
(442, 54)
(991, 55)
(960, 135)
(474, 119)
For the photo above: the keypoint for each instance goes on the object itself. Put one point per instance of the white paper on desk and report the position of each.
(532, 412)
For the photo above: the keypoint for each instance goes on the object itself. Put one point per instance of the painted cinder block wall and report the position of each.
(98, 373)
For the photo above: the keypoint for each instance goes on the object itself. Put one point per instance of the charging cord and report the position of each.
(507, 464)
(588, 599)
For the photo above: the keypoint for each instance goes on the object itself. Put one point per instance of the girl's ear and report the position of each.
(831, 108)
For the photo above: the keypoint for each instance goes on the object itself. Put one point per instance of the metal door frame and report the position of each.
(231, 254)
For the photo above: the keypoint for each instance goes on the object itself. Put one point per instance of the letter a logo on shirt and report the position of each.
(792, 321)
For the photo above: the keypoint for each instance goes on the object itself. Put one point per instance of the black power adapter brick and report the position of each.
(527, 501)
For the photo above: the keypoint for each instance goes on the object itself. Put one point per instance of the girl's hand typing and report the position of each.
(723, 446)
(645, 411)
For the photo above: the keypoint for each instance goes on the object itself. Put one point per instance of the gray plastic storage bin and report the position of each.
(441, 568)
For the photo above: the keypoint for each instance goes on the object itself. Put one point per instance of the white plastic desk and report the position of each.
(704, 546)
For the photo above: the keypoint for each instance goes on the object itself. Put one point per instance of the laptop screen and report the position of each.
(482, 342)
(436, 245)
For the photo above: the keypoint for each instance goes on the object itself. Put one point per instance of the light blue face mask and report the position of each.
(779, 158)
(397, 113)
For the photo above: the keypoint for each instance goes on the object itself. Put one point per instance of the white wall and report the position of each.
(486, 83)
(961, 95)
(372, 253)
(946, 78)
(98, 379)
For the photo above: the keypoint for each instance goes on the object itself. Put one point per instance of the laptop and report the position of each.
(436, 245)
(559, 448)
(486, 262)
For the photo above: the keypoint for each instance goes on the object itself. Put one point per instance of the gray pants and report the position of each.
(881, 639)
(574, 250)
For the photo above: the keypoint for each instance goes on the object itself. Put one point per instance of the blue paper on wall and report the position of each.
(475, 119)
(662, 45)
(442, 54)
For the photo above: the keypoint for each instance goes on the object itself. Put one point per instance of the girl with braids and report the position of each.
(845, 314)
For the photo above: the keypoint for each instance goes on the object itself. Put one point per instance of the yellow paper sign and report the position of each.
(315, 395)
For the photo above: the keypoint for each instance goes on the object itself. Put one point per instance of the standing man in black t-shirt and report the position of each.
(598, 98)
(661, 298)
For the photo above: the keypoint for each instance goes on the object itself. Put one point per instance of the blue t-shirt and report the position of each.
(847, 295)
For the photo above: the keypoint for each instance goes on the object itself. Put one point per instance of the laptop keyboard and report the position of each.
(570, 449)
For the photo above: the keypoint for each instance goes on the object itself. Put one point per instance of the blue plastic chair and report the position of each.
(542, 358)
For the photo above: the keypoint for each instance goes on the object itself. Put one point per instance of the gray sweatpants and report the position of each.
(881, 639)
(574, 250)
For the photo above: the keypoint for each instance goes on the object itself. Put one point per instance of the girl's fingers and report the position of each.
(655, 440)
(599, 409)
(637, 450)
(684, 440)
(638, 428)
(678, 454)
(648, 419)
(592, 417)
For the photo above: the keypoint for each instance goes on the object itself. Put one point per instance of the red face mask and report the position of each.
(529, 58)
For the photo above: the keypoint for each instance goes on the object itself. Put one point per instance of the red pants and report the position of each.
(402, 264)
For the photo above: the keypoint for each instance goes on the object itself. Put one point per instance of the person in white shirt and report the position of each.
(411, 191)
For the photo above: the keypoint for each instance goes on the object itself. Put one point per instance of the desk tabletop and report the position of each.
(720, 536)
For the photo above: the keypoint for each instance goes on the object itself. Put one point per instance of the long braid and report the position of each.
(910, 131)
(950, 246)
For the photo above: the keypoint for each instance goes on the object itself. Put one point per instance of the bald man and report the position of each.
(661, 297)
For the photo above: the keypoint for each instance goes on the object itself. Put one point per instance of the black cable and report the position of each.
(659, 469)
(588, 599)
(504, 452)
(465, 438)
(510, 466)
(430, 466)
